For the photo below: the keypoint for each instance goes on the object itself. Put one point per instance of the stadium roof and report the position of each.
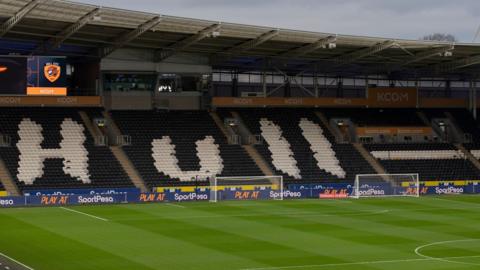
(75, 29)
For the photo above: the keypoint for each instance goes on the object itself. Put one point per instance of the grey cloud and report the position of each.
(386, 18)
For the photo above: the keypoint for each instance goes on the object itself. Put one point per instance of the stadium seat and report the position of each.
(183, 129)
(465, 121)
(318, 158)
(57, 172)
(432, 161)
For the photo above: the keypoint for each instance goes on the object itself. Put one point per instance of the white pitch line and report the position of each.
(354, 263)
(17, 262)
(176, 205)
(85, 214)
(417, 251)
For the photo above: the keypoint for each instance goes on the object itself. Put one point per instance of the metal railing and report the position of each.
(123, 140)
(5, 141)
(101, 141)
(234, 139)
(255, 139)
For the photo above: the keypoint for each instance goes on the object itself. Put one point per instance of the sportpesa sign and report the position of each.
(59, 200)
(449, 190)
(7, 202)
(294, 191)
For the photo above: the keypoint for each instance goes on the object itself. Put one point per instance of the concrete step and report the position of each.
(370, 159)
(374, 163)
(424, 118)
(325, 122)
(259, 160)
(219, 123)
(92, 129)
(129, 168)
(111, 125)
(7, 180)
(469, 155)
(250, 149)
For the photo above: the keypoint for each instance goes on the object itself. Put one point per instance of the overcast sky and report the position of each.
(409, 19)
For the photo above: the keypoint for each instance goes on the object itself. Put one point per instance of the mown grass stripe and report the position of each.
(236, 235)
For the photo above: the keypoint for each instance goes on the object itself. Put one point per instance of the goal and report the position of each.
(386, 185)
(246, 188)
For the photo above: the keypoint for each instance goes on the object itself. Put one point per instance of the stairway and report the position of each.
(374, 163)
(116, 150)
(325, 122)
(259, 160)
(469, 155)
(128, 167)
(242, 129)
(250, 149)
(458, 133)
(424, 118)
(370, 159)
(111, 126)
(94, 131)
(219, 123)
(7, 180)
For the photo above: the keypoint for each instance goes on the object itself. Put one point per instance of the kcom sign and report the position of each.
(392, 97)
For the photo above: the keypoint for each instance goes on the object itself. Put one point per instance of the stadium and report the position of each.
(133, 140)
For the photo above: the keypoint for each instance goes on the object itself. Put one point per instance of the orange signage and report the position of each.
(287, 102)
(443, 103)
(46, 91)
(394, 130)
(378, 98)
(392, 97)
(65, 101)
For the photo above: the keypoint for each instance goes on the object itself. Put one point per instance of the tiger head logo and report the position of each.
(52, 72)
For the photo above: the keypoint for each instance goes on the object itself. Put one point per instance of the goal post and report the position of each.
(246, 188)
(386, 185)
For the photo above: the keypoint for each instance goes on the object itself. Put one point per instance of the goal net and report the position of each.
(385, 185)
(246, 188)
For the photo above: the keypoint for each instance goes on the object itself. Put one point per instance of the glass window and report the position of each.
(128, 82)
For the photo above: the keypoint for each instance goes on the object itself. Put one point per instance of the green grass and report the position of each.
(291, 234)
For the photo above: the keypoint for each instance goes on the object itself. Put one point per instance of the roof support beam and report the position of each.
(186, 42)
(127, 37)
(250, 44)
(309, 48)
(189, 41)
(12, 21)
(55, 42)
(428, 54)
(294, 79)
(244, 46)
(457, 64)
(355, 56)
(69, 31)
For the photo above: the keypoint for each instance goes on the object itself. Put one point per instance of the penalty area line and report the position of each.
(15, 261)
(83, 213)
(354, 263)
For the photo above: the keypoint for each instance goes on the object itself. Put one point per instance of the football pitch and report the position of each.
(381, 233)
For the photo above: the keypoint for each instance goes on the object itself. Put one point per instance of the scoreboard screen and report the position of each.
(46, 76)
(13, 79)
(37, 75)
